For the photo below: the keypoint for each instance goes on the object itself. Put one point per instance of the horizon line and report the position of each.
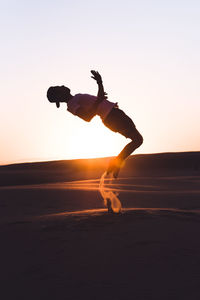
(88, 158)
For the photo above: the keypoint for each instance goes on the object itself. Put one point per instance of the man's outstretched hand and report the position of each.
(96, 76)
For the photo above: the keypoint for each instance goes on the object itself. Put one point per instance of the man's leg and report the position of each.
(119, 122)
(136, 142)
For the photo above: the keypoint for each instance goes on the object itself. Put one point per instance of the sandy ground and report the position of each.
(58, 241)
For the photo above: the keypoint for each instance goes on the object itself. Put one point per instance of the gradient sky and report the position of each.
(147, 51)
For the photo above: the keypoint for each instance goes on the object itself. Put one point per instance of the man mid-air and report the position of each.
(87, 106)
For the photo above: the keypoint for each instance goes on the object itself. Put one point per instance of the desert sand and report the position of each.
(59, 242)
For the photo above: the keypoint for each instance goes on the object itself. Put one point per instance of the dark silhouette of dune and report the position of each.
(59, 242)
(161, 164)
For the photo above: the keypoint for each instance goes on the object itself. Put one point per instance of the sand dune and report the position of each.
(58, 241)
(145, 165)
(138, 192)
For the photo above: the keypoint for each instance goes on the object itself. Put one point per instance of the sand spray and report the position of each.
(108, 194)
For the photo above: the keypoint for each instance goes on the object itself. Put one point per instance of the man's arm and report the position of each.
(101, 94)
(89, 114)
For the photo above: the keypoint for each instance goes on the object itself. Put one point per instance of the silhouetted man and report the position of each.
(87, 106)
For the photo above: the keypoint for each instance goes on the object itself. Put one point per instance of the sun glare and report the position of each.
(93, 139)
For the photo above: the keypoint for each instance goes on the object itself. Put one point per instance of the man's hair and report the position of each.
(52, 94)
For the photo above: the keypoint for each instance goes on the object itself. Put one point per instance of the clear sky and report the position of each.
(147, 51)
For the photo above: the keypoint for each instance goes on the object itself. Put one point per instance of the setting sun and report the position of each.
(90, 140)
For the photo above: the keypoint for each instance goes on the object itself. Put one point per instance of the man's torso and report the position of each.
(86, 101)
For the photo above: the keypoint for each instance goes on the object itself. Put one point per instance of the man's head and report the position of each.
(57, 94)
